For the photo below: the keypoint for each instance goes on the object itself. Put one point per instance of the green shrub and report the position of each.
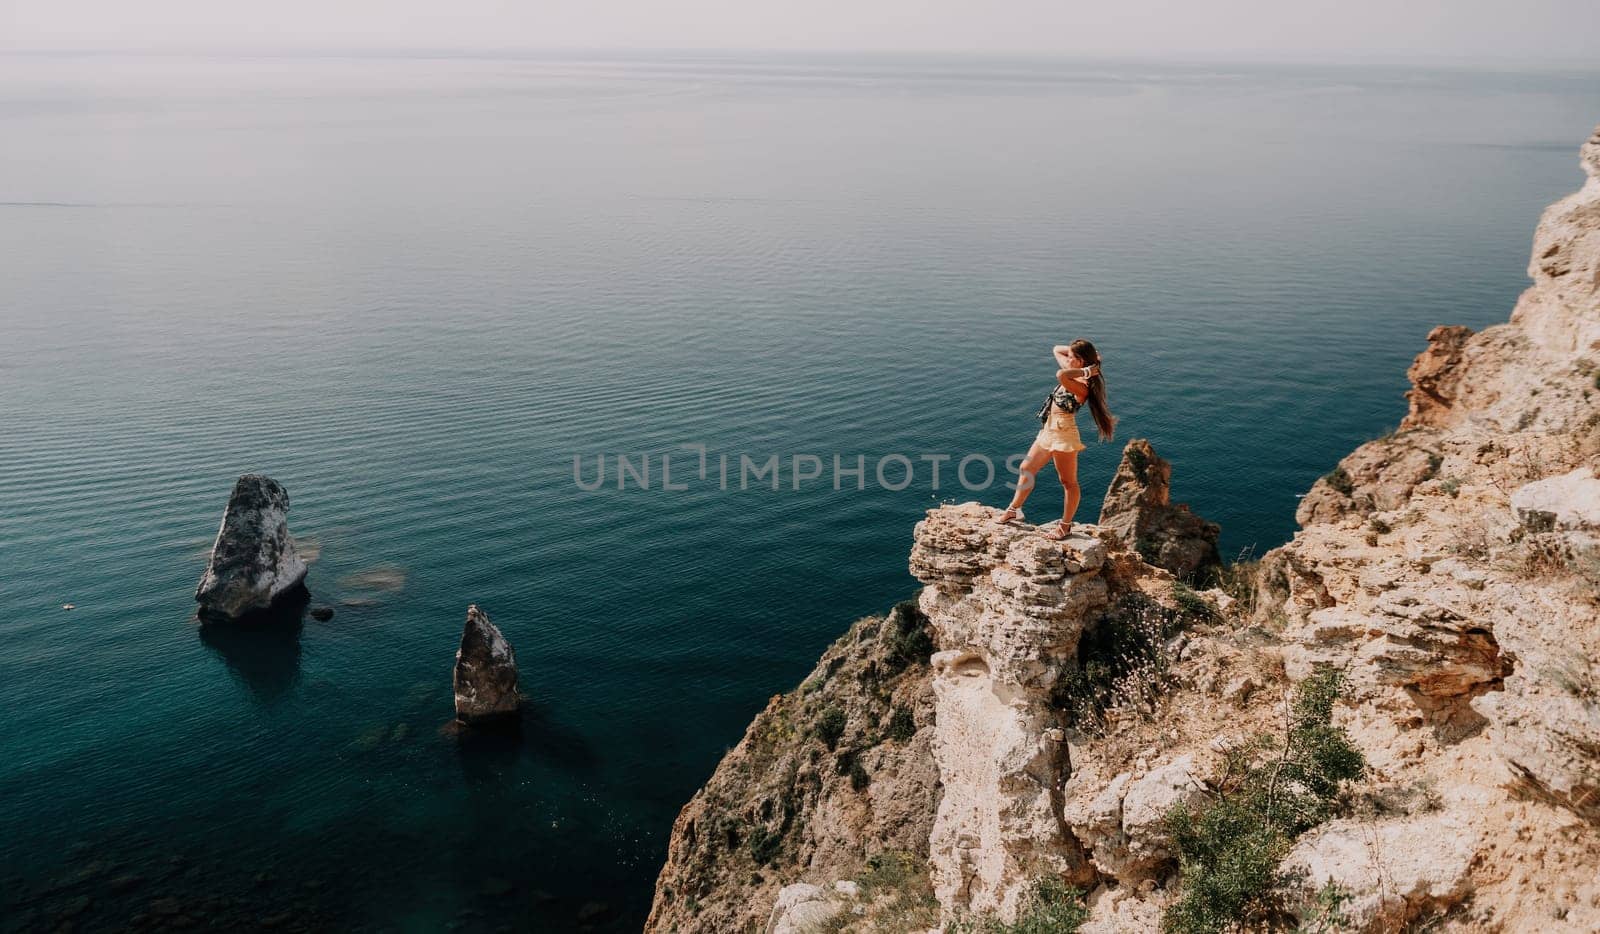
(1191, 606)
(830, 725)
(1053, 907)
(895, 895)
(1435, 460)
(890, 870)
(1327, 912)
(910, 642)
(763, 845)
(1050, 907)
(859, 779)
(902, 725)
(1339, 479)
(1272, 791)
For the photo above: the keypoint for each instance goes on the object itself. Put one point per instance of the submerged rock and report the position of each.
(486, 672)
(383, 577)
(1139, 512)
(253, 565)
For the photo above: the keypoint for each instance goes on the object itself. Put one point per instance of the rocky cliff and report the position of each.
(1452, 570)
(827, 777)
(1048, 713)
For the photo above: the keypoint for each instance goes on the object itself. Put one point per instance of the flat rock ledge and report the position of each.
(254, 567)
(485, 673)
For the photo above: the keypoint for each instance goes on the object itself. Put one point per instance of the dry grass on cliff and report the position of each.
(1550, 558)
(1126, 659)
(894, 896)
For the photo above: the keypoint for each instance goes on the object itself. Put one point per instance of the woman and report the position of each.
(1080, 382)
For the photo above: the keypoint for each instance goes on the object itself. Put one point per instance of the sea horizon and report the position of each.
(412, 290)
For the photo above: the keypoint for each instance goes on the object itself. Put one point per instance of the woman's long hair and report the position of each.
(1104, 421)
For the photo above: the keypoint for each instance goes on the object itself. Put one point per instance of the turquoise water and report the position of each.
(411, 289)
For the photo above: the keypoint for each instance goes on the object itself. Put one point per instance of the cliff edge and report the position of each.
(1066, 730)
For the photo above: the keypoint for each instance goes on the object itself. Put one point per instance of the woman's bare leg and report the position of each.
(1029, 469)
(1067, 469)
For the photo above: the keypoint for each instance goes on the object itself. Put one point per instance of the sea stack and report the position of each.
(254, 566)
(1138, 510)
(486, 672)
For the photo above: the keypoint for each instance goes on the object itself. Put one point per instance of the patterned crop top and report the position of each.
(1064, 397)
(1059, 397)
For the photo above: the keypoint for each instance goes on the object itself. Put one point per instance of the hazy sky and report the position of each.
(1489, 31)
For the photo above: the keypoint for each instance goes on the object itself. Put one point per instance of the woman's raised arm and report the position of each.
(1072, 382)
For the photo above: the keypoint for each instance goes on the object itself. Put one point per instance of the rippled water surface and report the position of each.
(412, 289)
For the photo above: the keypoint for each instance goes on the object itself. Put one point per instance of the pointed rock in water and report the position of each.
(253, 563)
(486, 671)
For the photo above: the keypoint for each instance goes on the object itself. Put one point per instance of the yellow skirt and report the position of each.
(1060, 433)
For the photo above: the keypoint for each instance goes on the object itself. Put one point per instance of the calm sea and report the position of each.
(413, 288)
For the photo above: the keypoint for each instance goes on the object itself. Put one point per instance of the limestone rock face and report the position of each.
(1570, 501)
(486, 671)
(253, 565)
(1377, 476)
(1124, 824)
(1149, 799)
(1559, 312)
(1007, 607)
(1453, 568)
(1118, 910)
(1394, 870)
(1138, 512)
(1433, 376)
(802, 908)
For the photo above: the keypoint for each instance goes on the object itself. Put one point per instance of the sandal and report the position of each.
(1060, 531)
(1009, 516)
